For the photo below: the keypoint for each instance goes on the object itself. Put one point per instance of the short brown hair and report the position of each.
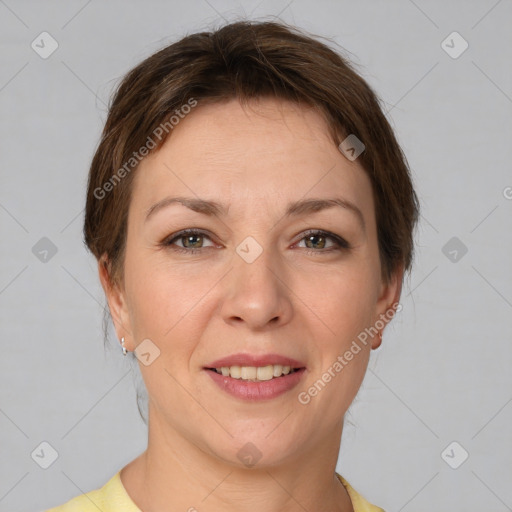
(246, 60)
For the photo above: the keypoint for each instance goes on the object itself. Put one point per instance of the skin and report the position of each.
(302, 301)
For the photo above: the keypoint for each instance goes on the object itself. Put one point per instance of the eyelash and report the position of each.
(340, 243)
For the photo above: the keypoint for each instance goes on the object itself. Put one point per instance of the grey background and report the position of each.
(443, 371)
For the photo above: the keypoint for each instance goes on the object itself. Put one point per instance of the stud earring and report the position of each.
(124, 348)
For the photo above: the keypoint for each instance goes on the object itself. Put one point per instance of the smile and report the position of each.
(251, 377)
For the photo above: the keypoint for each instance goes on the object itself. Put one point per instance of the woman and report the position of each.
(252, 215)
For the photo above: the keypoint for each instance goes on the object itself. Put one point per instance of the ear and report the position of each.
(114, 292)
(387, 303)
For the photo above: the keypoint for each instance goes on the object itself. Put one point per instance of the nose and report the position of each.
(256, 294)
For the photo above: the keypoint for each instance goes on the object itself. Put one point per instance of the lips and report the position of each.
(252, 377)
(254, 360)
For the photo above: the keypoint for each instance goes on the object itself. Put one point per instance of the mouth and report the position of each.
(250, 377)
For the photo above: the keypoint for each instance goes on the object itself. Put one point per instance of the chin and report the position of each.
(258, 444)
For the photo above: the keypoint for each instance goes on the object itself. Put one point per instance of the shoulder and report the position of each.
(358, 502)
(109, 498)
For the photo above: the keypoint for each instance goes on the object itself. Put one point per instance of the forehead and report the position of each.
(268, 150)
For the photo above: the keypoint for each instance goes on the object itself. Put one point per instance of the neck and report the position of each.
(174, 474)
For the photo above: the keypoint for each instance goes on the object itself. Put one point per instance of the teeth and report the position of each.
(254, 373)
(234, 371)
(265, 373)
(249, 372)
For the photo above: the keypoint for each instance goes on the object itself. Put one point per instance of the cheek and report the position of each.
(341, 304)
(166, 301)
(344, 299)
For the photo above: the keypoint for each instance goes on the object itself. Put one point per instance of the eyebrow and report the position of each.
(301, 207)
(314, 205)
(198, 205)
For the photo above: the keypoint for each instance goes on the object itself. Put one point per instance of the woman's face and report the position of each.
(257, 283)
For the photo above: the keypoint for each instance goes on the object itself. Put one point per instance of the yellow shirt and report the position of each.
(112, 497)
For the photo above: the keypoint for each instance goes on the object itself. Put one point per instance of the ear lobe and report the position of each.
(387, 303)
(115, 298)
